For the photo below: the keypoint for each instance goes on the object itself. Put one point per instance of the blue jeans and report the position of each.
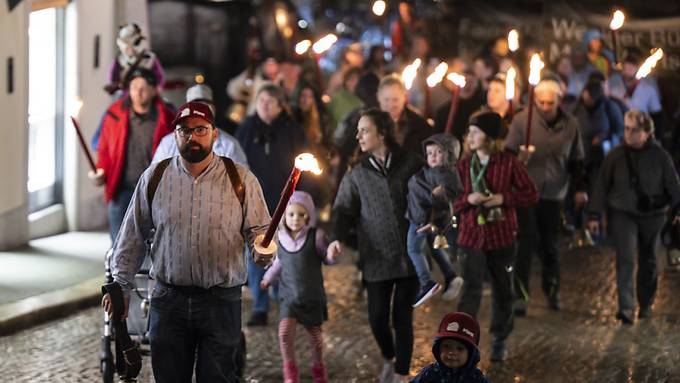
(117, 208)
(414, 245)
(185, 324)
(260, 296)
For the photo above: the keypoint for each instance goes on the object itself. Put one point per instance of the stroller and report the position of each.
(138, 322)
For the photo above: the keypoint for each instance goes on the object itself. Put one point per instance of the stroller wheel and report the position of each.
(107, 369)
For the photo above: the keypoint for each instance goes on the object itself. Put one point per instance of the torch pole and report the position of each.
(453, 109)
(531, 109)
(281, 206)
(83, 145)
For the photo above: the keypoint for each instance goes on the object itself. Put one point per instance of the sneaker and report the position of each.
(645, 312)
(498, 351)
(426, 292)
(519, 307)
(625, 317)
(453, 289)
(387, 373)
(257, 319)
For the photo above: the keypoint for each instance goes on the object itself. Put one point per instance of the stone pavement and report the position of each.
(582, 343)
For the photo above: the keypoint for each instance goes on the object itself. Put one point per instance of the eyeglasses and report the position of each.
(198, 131)
(633, 129)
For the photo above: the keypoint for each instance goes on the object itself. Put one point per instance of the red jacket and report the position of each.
(111, 148)
(504, 175)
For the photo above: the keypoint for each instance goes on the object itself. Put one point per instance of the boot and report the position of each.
(290, 373)
(319, 374)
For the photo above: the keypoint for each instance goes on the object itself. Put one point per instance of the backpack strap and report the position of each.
(154, 181)
(236, 183)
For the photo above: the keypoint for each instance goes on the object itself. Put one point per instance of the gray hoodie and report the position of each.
(423, 207)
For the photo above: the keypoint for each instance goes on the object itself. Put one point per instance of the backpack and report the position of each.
(236, 183)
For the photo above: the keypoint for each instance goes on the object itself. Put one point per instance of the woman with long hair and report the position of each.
(372, 200)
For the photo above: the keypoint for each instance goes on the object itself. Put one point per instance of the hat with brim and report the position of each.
(459, 326)
(195, 109)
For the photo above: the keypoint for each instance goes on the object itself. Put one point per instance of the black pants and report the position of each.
(539, 231)
(629, 233)
(380, 299)
(499, 265)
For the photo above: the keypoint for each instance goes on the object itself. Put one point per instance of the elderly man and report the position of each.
(131, 130)
(225, 146)
(554, 159)
(201, 221)
(410, 129)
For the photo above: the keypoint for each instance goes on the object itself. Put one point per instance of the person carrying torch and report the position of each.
(132, 129)
(204, 210)
(555, 161)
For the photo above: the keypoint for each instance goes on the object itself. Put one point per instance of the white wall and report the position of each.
(83, 205)
(84, 202)
(14, 126)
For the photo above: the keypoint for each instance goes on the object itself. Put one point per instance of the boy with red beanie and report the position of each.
(455, 351)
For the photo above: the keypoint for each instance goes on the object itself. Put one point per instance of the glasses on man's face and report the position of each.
(198, 131)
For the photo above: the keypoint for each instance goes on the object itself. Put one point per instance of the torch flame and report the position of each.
(379, 7)
(458, 80)
(438, 75)
(617, 20)
(510, 84)
(281, 17)
(325, 43)
(649, 64)
(77, 105)
(409, 73)
(302, 47)
(307, 163)
(513, 40)
(535, 72)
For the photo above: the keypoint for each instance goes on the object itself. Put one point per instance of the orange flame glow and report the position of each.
(308, 163)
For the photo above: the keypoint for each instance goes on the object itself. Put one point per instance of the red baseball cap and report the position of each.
(193, 109)
(460, 326)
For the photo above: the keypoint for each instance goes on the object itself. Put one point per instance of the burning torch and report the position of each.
(617, 22)
(458, 84)
(303, 162)
(510, 90)
(534, 77)
(74, 118)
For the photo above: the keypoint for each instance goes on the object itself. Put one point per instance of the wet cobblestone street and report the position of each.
(582, 343)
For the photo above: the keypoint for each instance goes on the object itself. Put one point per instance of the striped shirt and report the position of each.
(504, 175)
(201, 227)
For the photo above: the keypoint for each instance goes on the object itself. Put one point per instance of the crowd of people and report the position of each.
(406, 179)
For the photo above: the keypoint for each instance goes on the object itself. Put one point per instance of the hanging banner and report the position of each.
(567, 24)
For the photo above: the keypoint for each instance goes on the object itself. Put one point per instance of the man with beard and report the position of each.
(131, 130)
(201, 225)
(226, 144)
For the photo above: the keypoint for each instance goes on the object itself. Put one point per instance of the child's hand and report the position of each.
(334, 251)
(477, 198)
(438, 191)
(264, 284)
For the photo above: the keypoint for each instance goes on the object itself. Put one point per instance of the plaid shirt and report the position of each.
(504, 175)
